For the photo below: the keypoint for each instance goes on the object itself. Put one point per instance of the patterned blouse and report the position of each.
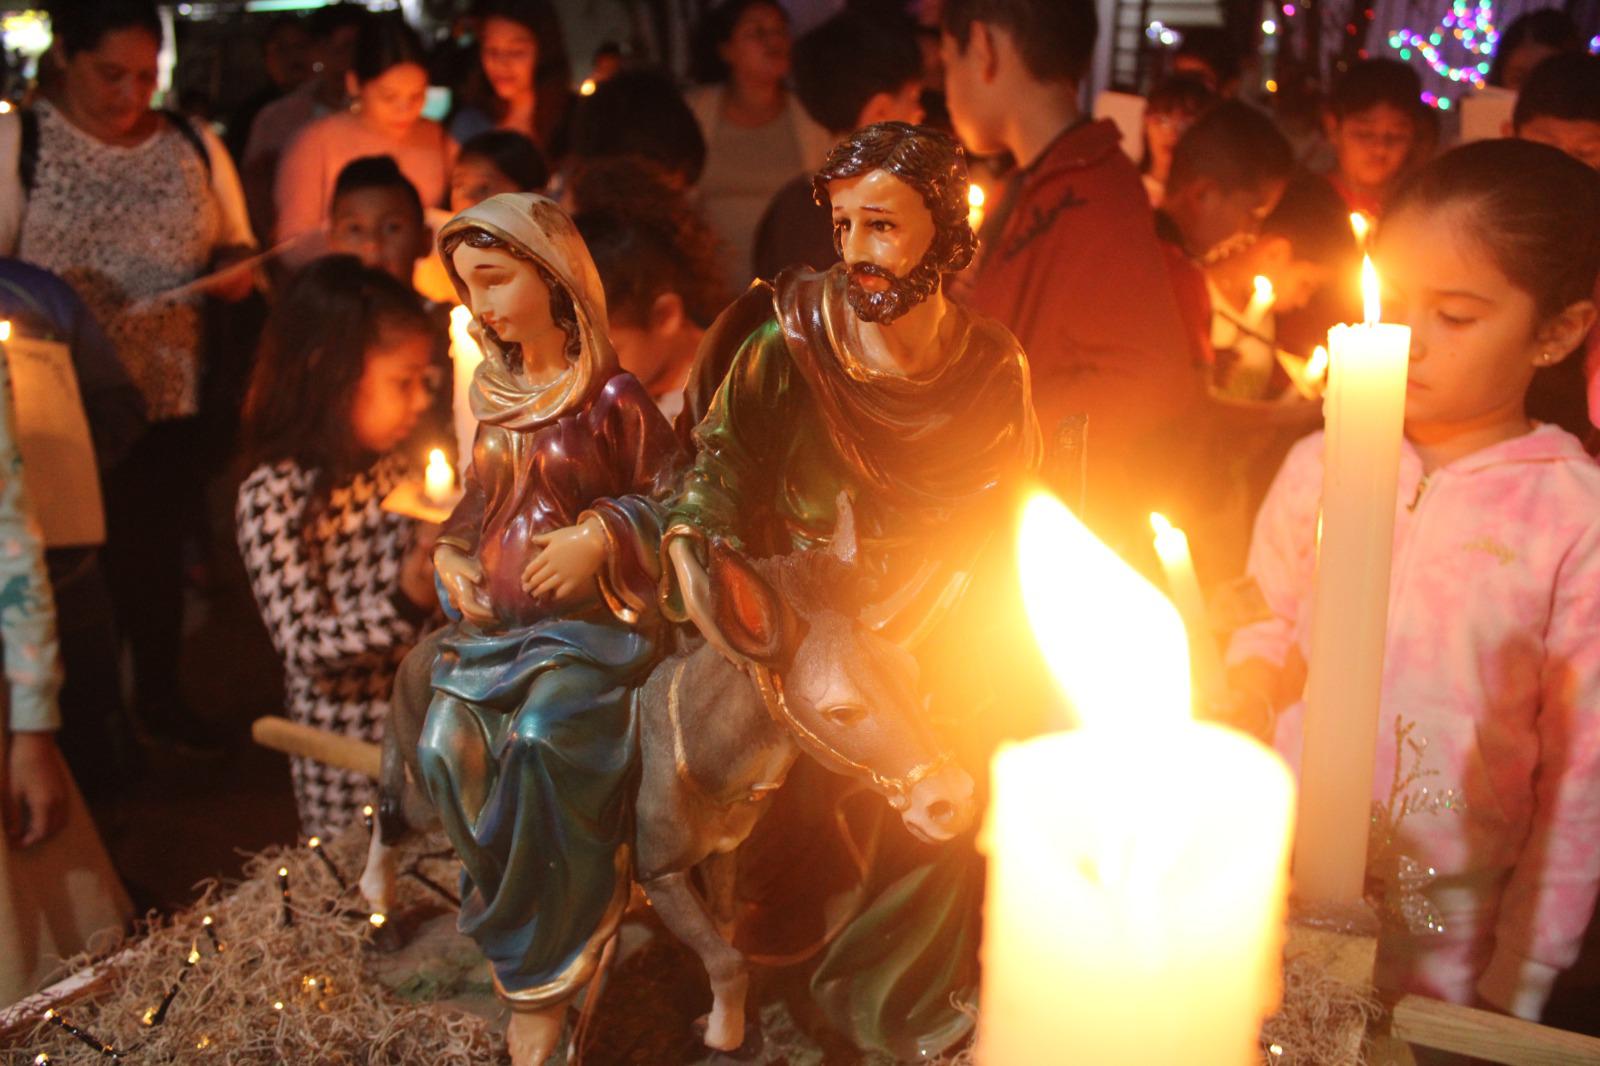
(331, 602)
(124, 224)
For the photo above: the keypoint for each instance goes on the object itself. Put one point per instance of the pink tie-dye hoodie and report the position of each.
(1494, 653)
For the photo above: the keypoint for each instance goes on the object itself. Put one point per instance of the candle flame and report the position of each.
(588, 87)
(1360, 225)
(460, 319)
(377, 919)
(5, 330)
(194, 953)
(1264, 291)
(366, 811)
(1317, 365)
(1371, 302)
(283, 871)
(976, 198)
(206, 920)
(314, 843)
(1114, 643)
(148, 1017)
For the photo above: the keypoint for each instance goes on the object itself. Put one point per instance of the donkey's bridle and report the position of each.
(896, 789)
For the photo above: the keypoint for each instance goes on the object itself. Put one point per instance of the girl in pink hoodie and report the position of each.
(1490, 725)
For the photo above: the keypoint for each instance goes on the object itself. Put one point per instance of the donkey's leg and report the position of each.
(720, 873)
(682, 912)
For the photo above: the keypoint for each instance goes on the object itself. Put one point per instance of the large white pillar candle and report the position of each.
(1365, 415)
(1137, 882)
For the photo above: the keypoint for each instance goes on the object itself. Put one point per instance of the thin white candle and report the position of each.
(438, 480)
(1365, 412)
(1183, 586)
(465, 355)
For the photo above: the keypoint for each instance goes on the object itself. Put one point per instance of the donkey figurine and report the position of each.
(718, 738)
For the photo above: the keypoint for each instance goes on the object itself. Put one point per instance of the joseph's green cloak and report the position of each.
(933, 467)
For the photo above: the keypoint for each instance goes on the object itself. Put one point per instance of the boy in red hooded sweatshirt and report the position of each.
(1069, 261)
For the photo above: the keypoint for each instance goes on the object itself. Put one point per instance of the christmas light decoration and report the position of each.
(1469, 26)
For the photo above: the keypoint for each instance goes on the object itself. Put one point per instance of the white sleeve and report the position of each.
(229, 192)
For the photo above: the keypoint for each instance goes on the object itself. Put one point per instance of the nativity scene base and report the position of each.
(288, 966)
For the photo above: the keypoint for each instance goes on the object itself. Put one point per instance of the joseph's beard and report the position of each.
(900, 295)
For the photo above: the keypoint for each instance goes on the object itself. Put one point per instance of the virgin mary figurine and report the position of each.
(529, 749)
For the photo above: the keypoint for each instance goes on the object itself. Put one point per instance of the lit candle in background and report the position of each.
(1136, 890)
(465, 355)
(1364, 414)
(1183, 586)
(976, 198)
(1361, 226)
(438, 480)
(1261, 300)
(587, 87)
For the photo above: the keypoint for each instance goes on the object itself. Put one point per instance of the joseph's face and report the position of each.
(880, 220)
(884, 232)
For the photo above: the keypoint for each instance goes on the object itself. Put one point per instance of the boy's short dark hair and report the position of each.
(374, 172)
(1212, 46)
(1234, 145)
(1055, 37)
(843, 63)
(1315, 221)
(1371, 82)
(513, 154)
(1565, 86)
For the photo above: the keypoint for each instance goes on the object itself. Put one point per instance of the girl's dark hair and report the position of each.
(512, 154)
(1180, 94)
(383, 43)
(563, 310)
(646, 240)
(552, 72)
(311, 359)
(1535, 209)
(715, 29)
(80, 25)
(1548, 26)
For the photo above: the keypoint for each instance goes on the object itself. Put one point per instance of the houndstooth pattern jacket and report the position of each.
(332, 605)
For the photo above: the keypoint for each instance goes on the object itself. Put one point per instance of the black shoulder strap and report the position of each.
(190, 134)
(28, 150)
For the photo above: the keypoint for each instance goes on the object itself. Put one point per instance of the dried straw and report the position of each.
(333, 1010)
(1319, 1012)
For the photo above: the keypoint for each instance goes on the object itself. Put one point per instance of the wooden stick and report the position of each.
(293, 738)
(1487, 1035)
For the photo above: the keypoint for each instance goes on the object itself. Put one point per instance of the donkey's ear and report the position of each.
(746, 610)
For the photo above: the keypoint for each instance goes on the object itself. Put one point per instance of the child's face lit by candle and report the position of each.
(1476, 338)
(396, 387)
(1372, 145)
(382, 227)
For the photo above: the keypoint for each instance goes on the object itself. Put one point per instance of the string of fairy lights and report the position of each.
(310, 985)
(1468, 29)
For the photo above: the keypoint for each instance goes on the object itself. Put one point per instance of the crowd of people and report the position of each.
(263, 304)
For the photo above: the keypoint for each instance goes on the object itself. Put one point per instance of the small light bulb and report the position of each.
(314, 842)
(377, 919)
(277, 1004)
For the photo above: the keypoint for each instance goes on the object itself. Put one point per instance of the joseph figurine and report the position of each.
(865, 380)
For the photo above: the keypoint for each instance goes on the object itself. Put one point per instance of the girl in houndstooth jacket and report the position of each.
(344, 587)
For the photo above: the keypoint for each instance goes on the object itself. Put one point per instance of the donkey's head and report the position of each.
(847, 695)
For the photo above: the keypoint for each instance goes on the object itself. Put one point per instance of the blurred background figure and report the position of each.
(757, 135)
